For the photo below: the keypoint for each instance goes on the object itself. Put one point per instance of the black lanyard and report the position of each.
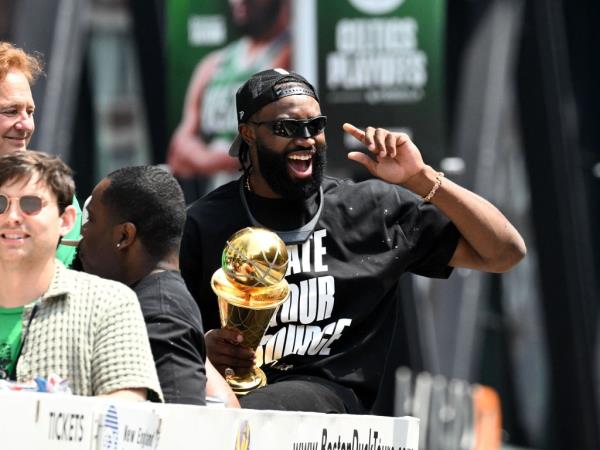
(13, 373)
(297, 236)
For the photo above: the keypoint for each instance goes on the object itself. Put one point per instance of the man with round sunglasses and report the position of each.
(87, 330)
(18, 71)
(29, 204)
(349, 243)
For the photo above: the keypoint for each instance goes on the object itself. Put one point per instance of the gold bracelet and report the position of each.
(436, 186)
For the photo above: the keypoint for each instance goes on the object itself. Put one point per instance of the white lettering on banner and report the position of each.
(311, 300)
(206, 30)
(395, 33)
(362, 71)
(380, 56)
(218, 112)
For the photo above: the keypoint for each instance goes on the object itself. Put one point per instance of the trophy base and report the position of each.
(242, 385)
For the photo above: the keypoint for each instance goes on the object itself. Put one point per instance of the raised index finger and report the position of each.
(357, 133)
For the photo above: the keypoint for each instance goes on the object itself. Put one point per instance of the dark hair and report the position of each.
(151, 199)
(25, 164)
(244, 157)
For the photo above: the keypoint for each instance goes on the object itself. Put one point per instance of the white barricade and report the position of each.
(31, 421)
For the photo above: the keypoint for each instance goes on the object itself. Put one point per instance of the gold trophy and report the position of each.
(250, 285)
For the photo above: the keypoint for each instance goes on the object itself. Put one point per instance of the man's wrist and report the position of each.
(423, 182)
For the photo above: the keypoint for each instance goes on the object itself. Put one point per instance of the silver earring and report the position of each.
(118, 245)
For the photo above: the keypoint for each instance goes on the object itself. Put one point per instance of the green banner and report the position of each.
(380, 63)
(213, 48)
(194, 29)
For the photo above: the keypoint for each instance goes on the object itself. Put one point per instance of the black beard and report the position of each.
(257, 26)
(274, 169)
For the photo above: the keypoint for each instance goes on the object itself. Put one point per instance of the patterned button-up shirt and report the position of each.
(91, 332)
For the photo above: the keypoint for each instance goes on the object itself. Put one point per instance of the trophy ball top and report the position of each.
(255, 257)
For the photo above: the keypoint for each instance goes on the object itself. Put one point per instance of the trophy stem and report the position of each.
(243, 384)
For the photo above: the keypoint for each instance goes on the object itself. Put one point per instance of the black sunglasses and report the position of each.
(294, 128)
(29, 204)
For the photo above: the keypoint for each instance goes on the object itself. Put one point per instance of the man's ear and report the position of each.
(124, 235)
(67, 220)
(247, 133)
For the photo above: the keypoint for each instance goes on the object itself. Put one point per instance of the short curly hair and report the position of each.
(12, 57)
(151, 199)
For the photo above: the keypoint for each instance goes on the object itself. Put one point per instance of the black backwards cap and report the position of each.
(264, 88)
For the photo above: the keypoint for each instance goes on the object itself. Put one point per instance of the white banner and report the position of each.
(46, 422)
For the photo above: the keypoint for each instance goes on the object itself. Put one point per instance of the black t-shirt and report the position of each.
(339, 317)
(176, 336)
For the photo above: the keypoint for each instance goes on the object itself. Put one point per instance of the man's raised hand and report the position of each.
(397, 158)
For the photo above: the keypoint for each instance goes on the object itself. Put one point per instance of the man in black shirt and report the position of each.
(349, 243)
(132, 235)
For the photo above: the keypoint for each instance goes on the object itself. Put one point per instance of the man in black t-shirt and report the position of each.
(132, 235)
(349, 243)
